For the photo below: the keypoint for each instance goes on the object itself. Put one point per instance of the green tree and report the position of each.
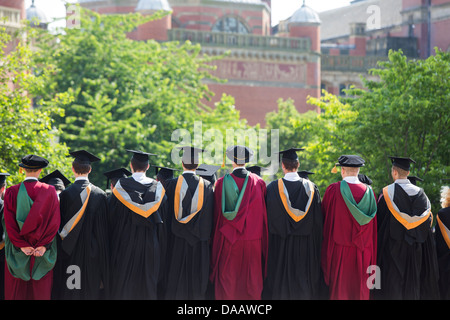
(26, 130)
(406, 113)
(125, 93)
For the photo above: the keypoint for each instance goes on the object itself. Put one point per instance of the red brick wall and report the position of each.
(312, 32)
(156, 29)
(254, 102)
(15, 4)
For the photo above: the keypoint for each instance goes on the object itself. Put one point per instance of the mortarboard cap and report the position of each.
(207, 171)
(140, 155)
(83, 156)
(256, 169)
(164, 173)
(364, 179)
(3, 176)
(350, 161)
(290, 154)
(115, 175)
(190, 154)
(239, 154)
(56, 179)
(32, 161)
(414, 179)
(402, 162)
(304, 174)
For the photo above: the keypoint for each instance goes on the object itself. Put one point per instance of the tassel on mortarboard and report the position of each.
(334, 170)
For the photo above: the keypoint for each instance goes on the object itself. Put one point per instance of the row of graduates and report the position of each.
(192, 237)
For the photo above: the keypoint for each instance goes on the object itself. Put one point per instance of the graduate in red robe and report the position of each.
(2, 241)
(31, 222)
(350, 233)
(240, 236)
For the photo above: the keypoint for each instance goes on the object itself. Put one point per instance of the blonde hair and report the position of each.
(445, 197)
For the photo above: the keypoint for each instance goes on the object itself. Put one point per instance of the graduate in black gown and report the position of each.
(83, 236)
(137, 234)
(295, 235)
(189, 223)
(406, 246)
(443, 243)
(2, 241)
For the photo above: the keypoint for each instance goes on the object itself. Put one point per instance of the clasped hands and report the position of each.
(30, 251)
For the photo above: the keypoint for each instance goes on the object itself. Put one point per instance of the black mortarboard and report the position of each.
(32, 161)
(190, 154)
(414, 179)
(83, 156)
(364, 179)
(290, 154)
(56, 179)
(239, 154)
(3, 176)
(164, 173)
(140, 155)
(350, 161)
(256, 169)
(116, 174)
(402, 162)
(304, 174)
(207, 171)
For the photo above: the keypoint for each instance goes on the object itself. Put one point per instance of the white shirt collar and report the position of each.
(292, 176)
(238, 168)
(82, 178)
(30, 178)
(187, 171)
(409, 188)
(352, 179)
(142, 178)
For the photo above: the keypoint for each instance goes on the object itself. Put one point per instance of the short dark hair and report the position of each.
(190, 166)
(290, 165)
(81, 167)
(139, 165)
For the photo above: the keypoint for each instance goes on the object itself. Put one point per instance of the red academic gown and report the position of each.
(348, 248)
(39, 229)
(239, 248)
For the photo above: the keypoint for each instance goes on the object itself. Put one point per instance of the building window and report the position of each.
(230, 24)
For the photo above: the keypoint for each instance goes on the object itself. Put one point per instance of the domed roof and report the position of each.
(145, 5)
(35, 14)
(305, 15)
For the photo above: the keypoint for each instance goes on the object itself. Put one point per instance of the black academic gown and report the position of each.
(86, 246)
(443, 252)
(137, 243)
(188, 252)
(406, 258)
(293, 264)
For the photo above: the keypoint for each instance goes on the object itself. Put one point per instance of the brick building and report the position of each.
(260, 68)
(301, 55)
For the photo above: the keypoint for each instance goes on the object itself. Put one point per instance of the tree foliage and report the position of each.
(404, 113)
(126, 94)
(26, 130)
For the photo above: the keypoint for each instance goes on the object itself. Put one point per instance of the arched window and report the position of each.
(230, 24)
